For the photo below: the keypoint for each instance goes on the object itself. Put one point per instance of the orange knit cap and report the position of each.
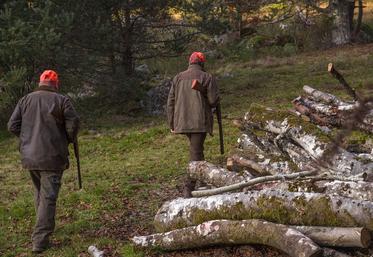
(49, 78)
(197, 57)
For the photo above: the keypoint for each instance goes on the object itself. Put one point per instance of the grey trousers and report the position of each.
(47, 185)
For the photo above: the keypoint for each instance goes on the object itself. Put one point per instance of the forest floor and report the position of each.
(131, 165)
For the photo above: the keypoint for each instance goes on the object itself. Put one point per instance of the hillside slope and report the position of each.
(131, 165)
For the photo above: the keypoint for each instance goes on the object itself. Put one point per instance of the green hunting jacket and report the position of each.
(45, 122)
(189, 110)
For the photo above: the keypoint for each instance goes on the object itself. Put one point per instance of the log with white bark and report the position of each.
(337, 236)
(271, 162)
(220, 177)
(228, 232)
(328, 115)
(321, 96)
(342, 163)
(211, 174)
(310, 209)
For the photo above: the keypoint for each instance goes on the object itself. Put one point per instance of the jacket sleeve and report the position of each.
(15, 121)
(72, 121)
(171, 105)
(212, 92)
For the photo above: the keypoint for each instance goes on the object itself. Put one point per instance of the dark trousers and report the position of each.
(196, 142)
(47, 185)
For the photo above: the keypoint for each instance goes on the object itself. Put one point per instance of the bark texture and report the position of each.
(312, 209)
(337, 237)
(343, 163)
(228, 232)
(358, 190)
(211, 174)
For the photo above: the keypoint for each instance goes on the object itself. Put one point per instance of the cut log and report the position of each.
(227, 232)
(255, 181)
(358, 190)
(309, 209)
(327, 115)
(268, 162)
(213, 175)
(342, 163)
(321, 96)
(337, 237)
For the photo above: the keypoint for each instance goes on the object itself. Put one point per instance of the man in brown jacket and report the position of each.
(45, 122)
(190, 111)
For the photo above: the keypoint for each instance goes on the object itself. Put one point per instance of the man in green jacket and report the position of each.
(45, 122)
(189, 110)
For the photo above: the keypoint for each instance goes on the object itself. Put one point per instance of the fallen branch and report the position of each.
(341, 79)
(228, 232)
(251, 182)
(310, 209)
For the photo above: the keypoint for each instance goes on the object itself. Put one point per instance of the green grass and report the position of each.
(131, 165)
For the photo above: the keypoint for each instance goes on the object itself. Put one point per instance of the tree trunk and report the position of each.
(227, 232)
(310, 209)
(337, 237)
(341, 31)
(211, 174)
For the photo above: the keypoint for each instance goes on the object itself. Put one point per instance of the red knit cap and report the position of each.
(197, 57)
(49, 78)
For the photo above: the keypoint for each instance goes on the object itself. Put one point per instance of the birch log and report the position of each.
(343, 163)
(337, 237)
(321, 96)
(211, 174)
(310, 209)
(358, 190)
(228, 232)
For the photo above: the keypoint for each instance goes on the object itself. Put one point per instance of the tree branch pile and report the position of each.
(290, 185)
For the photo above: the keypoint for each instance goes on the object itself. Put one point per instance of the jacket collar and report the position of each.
(46, 88)
(195, 67)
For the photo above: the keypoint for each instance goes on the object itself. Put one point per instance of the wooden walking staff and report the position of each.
(76, 152)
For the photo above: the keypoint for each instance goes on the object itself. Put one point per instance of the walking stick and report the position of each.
(221, 139)
(76, 152)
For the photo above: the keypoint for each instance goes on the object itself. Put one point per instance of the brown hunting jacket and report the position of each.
(190, 110)
(45, 122)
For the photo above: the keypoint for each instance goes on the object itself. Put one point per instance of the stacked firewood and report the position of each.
(288, 185)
